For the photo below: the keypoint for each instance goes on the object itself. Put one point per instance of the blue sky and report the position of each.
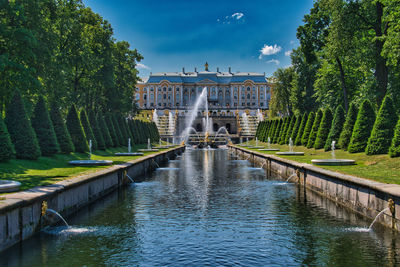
(249, 36)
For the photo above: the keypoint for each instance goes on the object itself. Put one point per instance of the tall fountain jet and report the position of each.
(155, 117)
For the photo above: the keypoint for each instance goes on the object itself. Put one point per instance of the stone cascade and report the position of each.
(248, 125)
(166, 125)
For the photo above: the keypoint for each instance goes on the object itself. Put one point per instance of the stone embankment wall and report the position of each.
(21, 213)
(363, 196)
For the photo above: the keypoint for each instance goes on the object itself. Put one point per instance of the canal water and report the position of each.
(208, 208)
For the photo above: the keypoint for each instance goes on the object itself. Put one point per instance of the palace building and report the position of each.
(226, 90)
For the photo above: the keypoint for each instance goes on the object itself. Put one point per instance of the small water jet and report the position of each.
(129, 153)
(333, 161)
(149, 148)
(45, 210)
(269, 146)
(290, 152)
(377, 216)
(90, 162)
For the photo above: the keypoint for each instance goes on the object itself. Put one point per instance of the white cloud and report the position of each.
(142, 66)
(275, 61)
(268, 50)
(288, 53)
(237, 15)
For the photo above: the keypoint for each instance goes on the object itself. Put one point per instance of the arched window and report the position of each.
(248, 96)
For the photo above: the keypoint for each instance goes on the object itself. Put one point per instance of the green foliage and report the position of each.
(105, 131)
(44, 130)
(314, 129)
(278, 130)
(307, 129)
(394, 150)
(383, 130)
(124, 130)
(324, 128)
(271, 130)
(290, 129)
(282, 135)
(280, 101)
(76, 131)
(20, 128)
(88, 129)
(336, 129)
(6, 147)
(297, 141)
(61, 131)
(296, 128)
(362, 128)
(117, 128)
(348, 126)
(110, 124)
(98, 133)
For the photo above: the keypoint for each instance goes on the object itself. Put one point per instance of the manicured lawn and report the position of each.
(49, 170)
(379, 168)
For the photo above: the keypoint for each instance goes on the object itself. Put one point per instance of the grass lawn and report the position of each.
(379, 168)
(49, 170)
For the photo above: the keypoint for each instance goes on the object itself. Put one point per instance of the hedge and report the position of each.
(394, 150)
(336, 129)
(314, 129)
(98, 133)
(6, 147)
(297, 141)
(296, 128)
(278, 131)
(348, 126)
(307, 129)
(76, 131)
(285, 128)
(105, 131)
(111, 129)
(88, 129)
(60, 128)
(290, 129)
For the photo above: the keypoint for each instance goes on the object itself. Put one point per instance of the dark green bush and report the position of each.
(111, 129)
(289, 130)
(278, 131)
(20, 129)
(348, 126)
(297, 141)
(118, 132)
(307, 129)
(383, 130)
(105, 132)
(324, 128)
(336, 129)
(61, 131)
(76, 131)
(271, 130)
(314, 129)
(362, 128)
(6, 147)
(88, 129)
(284, 130)
(44, 130)
(394, 150)
(296, 128)
(98, 133)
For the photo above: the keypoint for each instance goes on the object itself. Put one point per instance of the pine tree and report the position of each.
(296, 128)
(290, 129)
(20, 129)
(44, 129)
(362, 128)
(88, 129)
(314, 129)
(307, 129)
(348, 126)
(383, 130)
(336, 129)
(105, 132)
(98, 133)
(76, 131)
(6, 147)
(394, 150)
(111, 129)
(61, 131)
(297, 141)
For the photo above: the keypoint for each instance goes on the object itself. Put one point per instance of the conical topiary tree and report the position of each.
(88, 129)
(362, 128)
(336, 129)
(271, 130)
(314, 129)
(6, 147)
(44, 129)
(348, 126)
(20, 128)
(105, 132)
(76, 131)
(394, 150)
(98, 133)
(111, 129)
(324, 128)
(307, 129)
(297, 141)
(124, 131)
(285, 128)
(290, 129)
(383, 130)
(296, 128)
(278, 131)
(60, 128)
(118, 132)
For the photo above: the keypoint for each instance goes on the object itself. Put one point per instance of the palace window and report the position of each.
(152, 104)
(248, 88)
(137, 96)
(261, 104)
(144, 97)
(165, 96)
(159, 88)
(170, 89)
(177, 89)
(165, 89)
(151, 89)
(248, 96)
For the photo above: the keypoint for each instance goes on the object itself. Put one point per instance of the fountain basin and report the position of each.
(269, 149)
(91, 162)
(162, 147)
(288, 153)
(9, 186)
(129, 154)
(333, 162)
(148, 150)
(256, 147)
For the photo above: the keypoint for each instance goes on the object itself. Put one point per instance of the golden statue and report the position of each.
(206, 66)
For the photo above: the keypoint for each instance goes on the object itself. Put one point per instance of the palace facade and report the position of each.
(226, 90)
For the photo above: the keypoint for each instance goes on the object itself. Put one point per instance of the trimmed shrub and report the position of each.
(105, 132)
(278, 130)
(290, 129)
(111, 129)
(60, 128)
(297, 141)
(336, 129)
(296, 128)
(271, 130)
(88, 129)
(362, 128)
(324, 128)
(6, 147)
(44, 130)
(314, 129)
(265, 131)
(118, 132)
(76, 131)
(124, 131)
(20, 129)
(136, 138)
(348, 126)
(285, 128)
(98, 133)
(307, 129)
(383, 130)
(394, 150)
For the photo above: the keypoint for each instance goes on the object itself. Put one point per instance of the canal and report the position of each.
(210, 208)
